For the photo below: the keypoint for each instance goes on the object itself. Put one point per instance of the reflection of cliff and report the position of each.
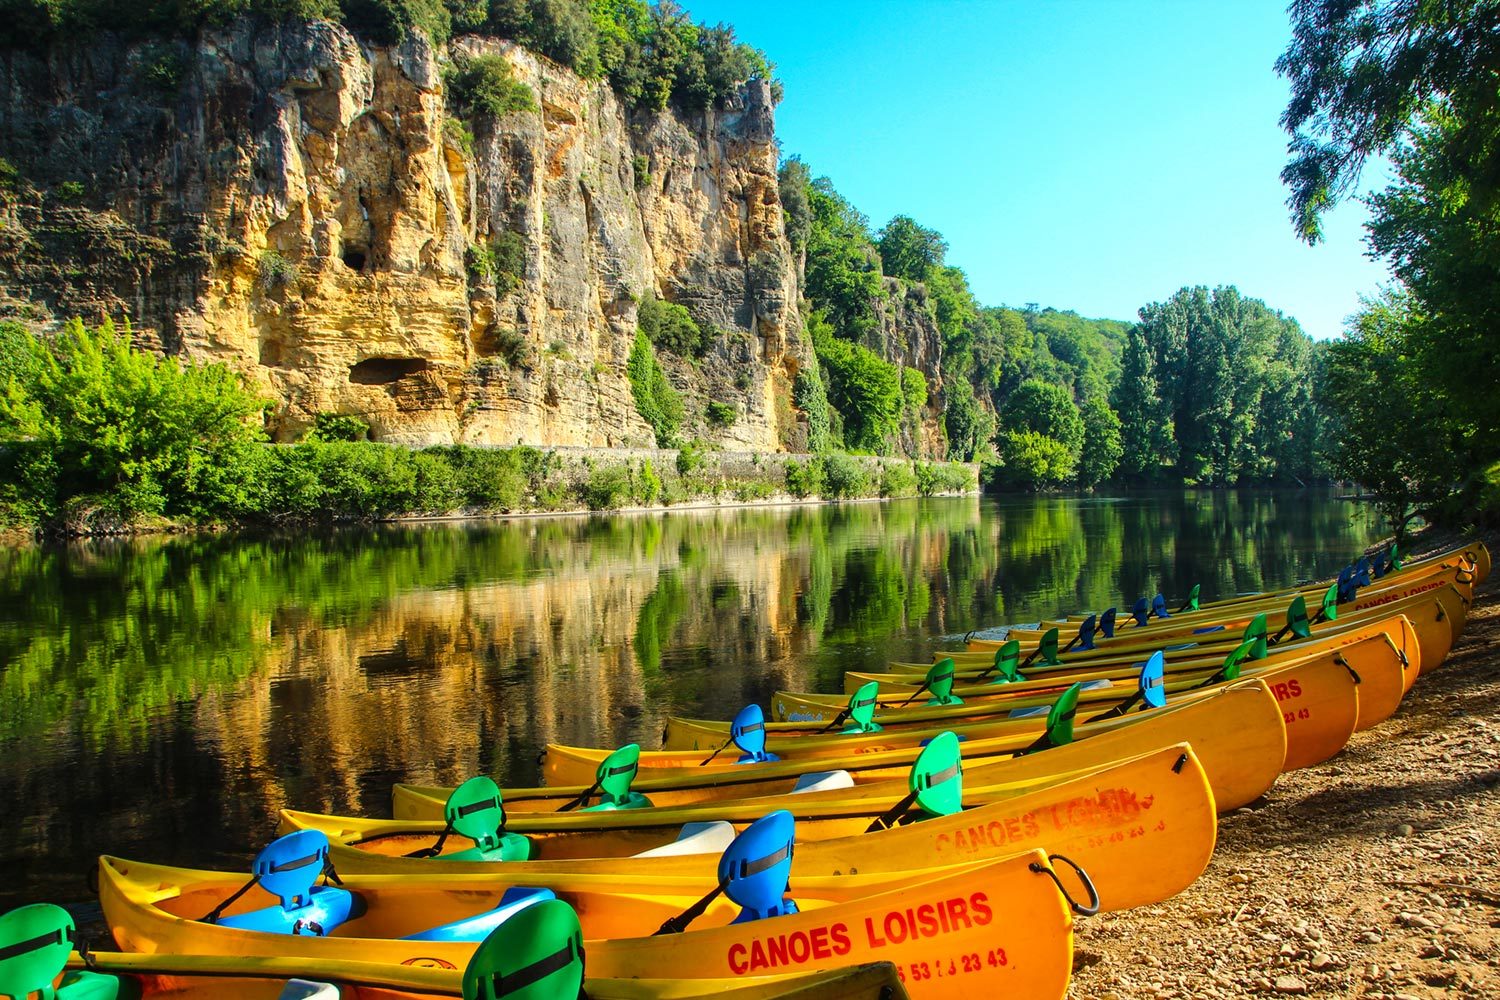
(162, 699)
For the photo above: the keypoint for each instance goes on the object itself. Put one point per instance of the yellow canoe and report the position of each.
(1143, 828)
(1004, 928)
(218, 977)
(1237, 732)
(1473, 555)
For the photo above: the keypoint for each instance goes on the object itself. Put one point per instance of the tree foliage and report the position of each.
(865, 389)
(656, 401)
(1363, 72)
(671, 327)
(908, 250)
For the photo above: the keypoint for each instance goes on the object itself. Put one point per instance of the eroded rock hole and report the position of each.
(384, 371)
(355, 258)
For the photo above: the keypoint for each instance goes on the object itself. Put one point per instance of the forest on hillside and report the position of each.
(1207, 388)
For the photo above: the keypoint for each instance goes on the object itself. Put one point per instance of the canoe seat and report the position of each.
(287, 868)
(34, 945)
(302, 989)
(696, 838)
(477, 928)
(823, 781)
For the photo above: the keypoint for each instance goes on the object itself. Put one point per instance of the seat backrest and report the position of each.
(1154, 680)
(756, 869)
(1107, 622)
(1007, 659)
(1060, 718)
(937, 776)
(1086, 632)
(1231, 668)
(288, 866)
(537, 954)
(1159, 606)
(862, 707)
(1191, 604)
(1140, 610)
(617, 771)
(748, 732)
(1047, 648)
(475, 810)
(34, 944)
(1330, 604)
(940, 678)
(1296, 618)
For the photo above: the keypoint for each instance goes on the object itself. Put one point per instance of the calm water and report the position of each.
(161, 699)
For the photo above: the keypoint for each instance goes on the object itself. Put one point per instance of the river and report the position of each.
(162, 698)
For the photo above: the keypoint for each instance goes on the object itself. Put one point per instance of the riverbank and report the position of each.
(350, 482)
(1372, 875)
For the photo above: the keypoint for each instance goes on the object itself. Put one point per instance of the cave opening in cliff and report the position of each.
(355, 258)
(384, 371)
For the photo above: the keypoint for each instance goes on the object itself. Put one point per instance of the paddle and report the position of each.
(935, 780)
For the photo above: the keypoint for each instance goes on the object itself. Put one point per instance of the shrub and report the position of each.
(649, 487)
(486, 85)
(390, 21)
(641, 168)
(606, 488)
(897, 480)
(90, 419)
(488, 478)
(162, 68)
(947, 477)
(276, 271)
(804, 479)
(844, 477)
(72, 192)
(338, 427)
(690, 457)
(865, 388)
(720, 414)
(746, 490)
(658, 403)
(502, 262)
(457, 132)
(812, 399)
(671, 327)
(914, 388)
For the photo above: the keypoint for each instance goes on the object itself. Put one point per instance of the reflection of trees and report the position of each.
(163, 697)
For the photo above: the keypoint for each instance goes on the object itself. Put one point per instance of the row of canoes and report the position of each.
(949, 819)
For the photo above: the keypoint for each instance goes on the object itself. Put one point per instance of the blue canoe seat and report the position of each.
(748, 733)
(696, 838)
(287, 868)
(823, 781)
(756, 869)
(477, 928)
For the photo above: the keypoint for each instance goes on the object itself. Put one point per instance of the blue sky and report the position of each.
(1082, 154)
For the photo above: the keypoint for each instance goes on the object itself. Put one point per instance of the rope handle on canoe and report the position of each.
(1339, 659)
(1083, 876)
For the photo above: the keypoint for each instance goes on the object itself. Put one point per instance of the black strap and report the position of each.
(838, 720)
(59, 936)
(893, 815)
(748, 868)
(1339, 659)
(925, 685)
(329, 875)
(504, 986)
(580, 799)
(212, 917)
(727, 744)
(679, 923)
(435, 849)
(493, 802)
(1119, 709)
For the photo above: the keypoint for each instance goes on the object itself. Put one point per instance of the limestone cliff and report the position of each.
(298, 203)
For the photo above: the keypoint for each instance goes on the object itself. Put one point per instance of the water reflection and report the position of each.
(162, 698)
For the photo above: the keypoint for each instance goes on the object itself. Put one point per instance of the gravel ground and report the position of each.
(1372, 875)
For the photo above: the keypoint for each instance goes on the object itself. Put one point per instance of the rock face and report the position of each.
(300, 205)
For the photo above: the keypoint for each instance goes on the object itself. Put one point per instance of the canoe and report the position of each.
(1437, 614)
(1237, 732)
(1143, 828)
(1387, 659)
(1474, 555)
(217, 977)
(990, 719)
(1321, 691)
(1320, 695)
(1003, 928)
(1200, 627)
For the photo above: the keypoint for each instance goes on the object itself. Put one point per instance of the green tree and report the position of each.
(1102, 448)
(95, 421)
(1046, 409)
(1029, 459)
(842, 277)
(865, 389)
(908, 250)
(1145, 420)
(1363, 72)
